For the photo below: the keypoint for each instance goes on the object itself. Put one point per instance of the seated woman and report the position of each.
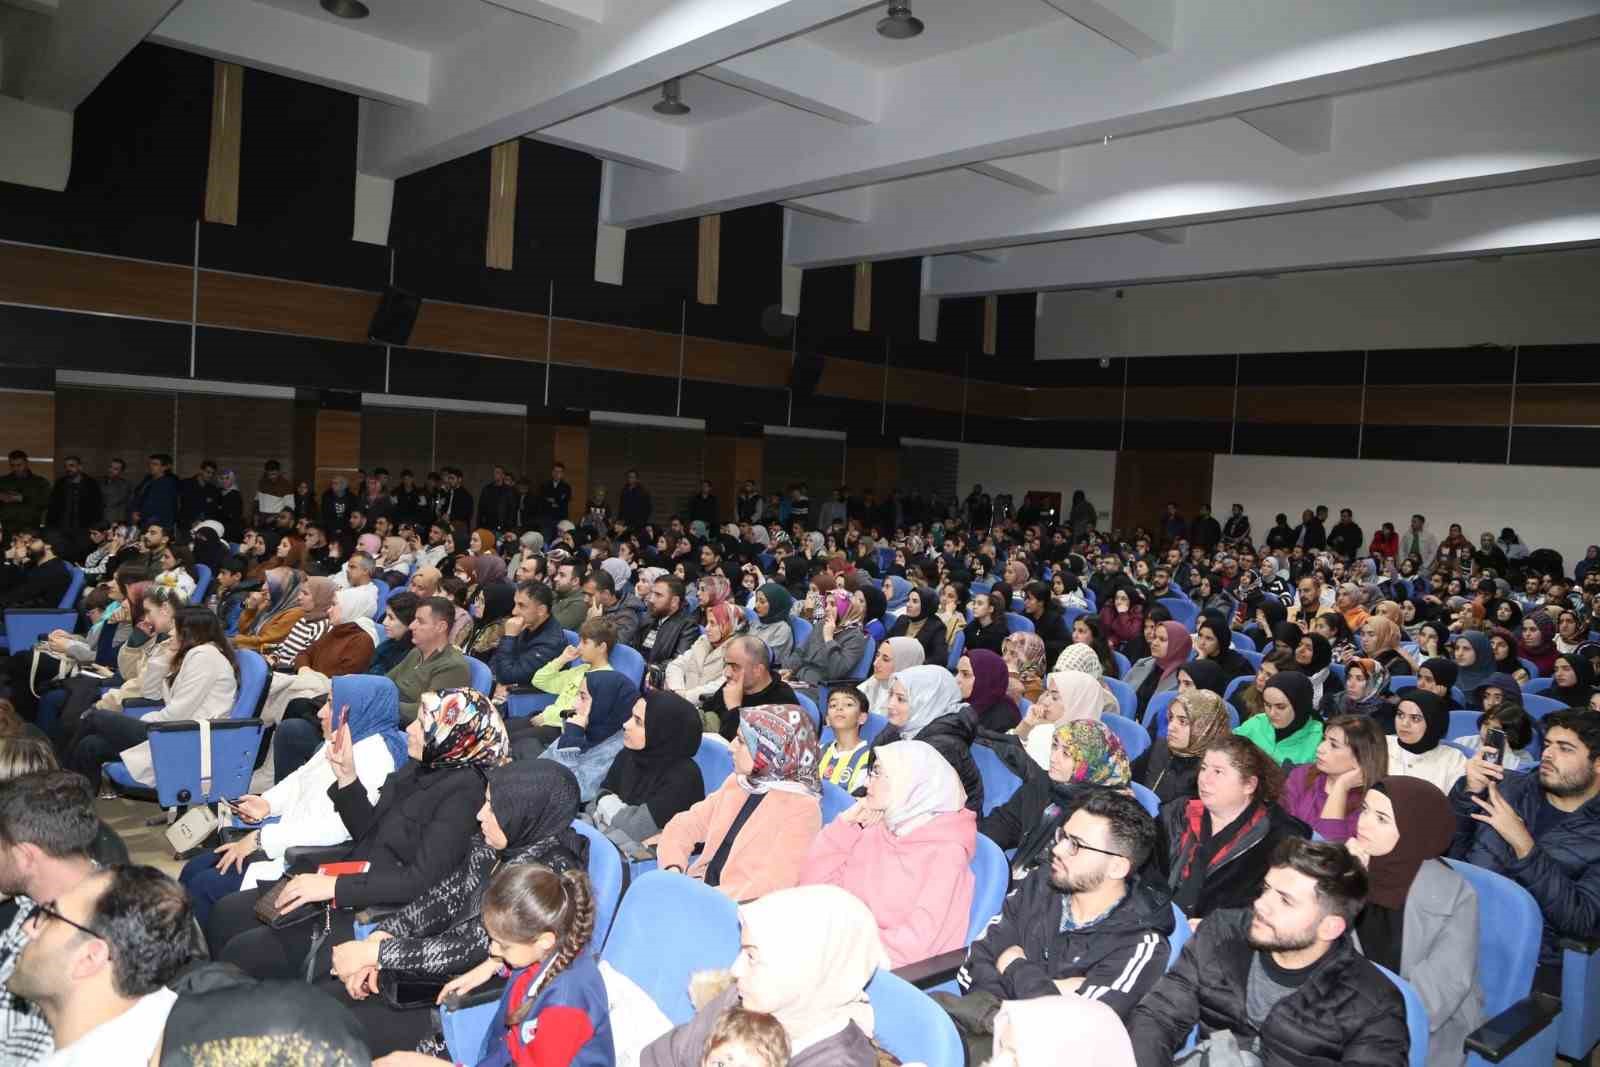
(1170, 767)
(271, 611)
(981, 677)
(525, 819)
(920, 621)
(1536, 642)
(1086, 631)
(925, 705)
(1203, 674)
(368, 711)
(1326, 795)
(1216, 848)
(1503, 646)
(394, 562)
(1433, 639)
(1513, 721)
(1068, 697)
(1474, 663)
(772, 604)
(906, 851)
(806, 955)
(174, 571)
(296, 693)
(1421, 917)
(756, 827)
(1084, 756)
(989, 627)
(844, 759)
(834, 646)
(490, 607)
(1335, 629)
(413, 837)
(654, 777)
(1415, 748)
(1572, 682)
(313, 601)
(1214, 642)
(1082, 659)
(1123, 618)
(1288, 730)
(1314, 656)
(1380, 641)
(697, 672)
(896, 591)
(1363, 694)
(201, 683)
(952, 600)
(592, 735)
(894, 655)
(1158, 672)
(1024, 655)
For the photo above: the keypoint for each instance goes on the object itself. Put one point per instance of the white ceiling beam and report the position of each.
(1143, 27)
(1039, 173)
(846, 205)
(85, 40)
(1533, 120)
(299, 46)
(1305, 127)
(1172, 235)
(573, 14)
(623, 136)
(498, 85)
(1060, 85)
(1416, 207)
(809, 77)
(981, 255)
(1553, 215)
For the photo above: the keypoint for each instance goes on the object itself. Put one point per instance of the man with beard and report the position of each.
(1083, 923)
(33, 574)
(1541, 830)
(1282, 976)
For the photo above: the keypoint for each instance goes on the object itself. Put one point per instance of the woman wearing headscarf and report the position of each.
(1415, 749)
(1122, 618)
(834, 646)
(1380, 640)
(1068, 696)
(982, 678)
(1503, 646)
(1158, 672)
(591, 736)
(490, 608)
(1085, 755)
(1414, 612)
(1270, 614)
(416, 834)
(654, 777)
(1571, 680)
(1170, 767)
(482, 569)
(1326, 795)
(1474, 662)
(1213, 641)
(905, 850)
(894, 655)
(1085, 659)
(1201, 674)
(271, 611)
(1421, 917)
(314, 601)
(756, 827)
(895, 592)
(1537, 644)
(1288, 731)
(920, 620)
(925, 705)
(1433, 639)
(772, 604)
(808, 955)
(526, 817)
(698, 671)
(1024, 655)
(1332, 626)
(1314, 656)
(305, 814)
(1046, 1031)
(1362, 694)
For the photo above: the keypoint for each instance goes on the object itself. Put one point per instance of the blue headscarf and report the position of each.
(374, 705)
(902, 590)
(611, 700)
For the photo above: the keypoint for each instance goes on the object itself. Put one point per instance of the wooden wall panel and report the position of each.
(1439, 405)
(709, 259)
(1147, 480)
(247, 302)
(222, 169)
(925, 389)
(572, 447)
(144, 423)
(736, 364)
(476, 442)
(617, 348)
(875, 469)
(1074, 402)
(1308, 405)
(397, 439)
(239, 433)
(670, 464)
(1558, 405)
(848, 378)
(460, 328)
(47, 277)
(500, 244)
(1181, 402)
(994, 400)
(31, 426)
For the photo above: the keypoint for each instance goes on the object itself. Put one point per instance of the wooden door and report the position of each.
(1146, 481)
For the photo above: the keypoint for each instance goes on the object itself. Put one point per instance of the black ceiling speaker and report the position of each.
(805, 375)
(396, 314)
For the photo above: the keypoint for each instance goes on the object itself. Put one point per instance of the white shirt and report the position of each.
(129, 1038)
(1441, 766)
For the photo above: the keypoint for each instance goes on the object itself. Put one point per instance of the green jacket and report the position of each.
(29, 511)
(413, 676)
(571, 610)
(1299, 747)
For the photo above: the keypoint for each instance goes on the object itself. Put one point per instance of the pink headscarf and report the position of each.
(1178, 644)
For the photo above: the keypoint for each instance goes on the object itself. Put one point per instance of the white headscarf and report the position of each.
(620, 573)
(1080, 697)
(922, 784)
(906, 652)
(1046, 1031)
(931, 692)
(350, 605)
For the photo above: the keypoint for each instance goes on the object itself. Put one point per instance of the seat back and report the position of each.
(1510, 926)
(1133, 736)
(999, 783)
(1462, 723)
(1537, 685)
(835, 802)
(571, 636)
(1250, 657)
(910, 1025)
(1241, 643)
(660, 956)
(875, 725)
(26, 626)
(958, 648)
(1183, 610)
(1180, 935)
(864, 665)
(1124, 665)
(479, 676)
(175, 756)
(1017, 622)
(202, 583)
(801, 628)
(253, 675)
(1416, 1017)
(1127, 699)
(1236, 684)
(1539, 706)
(1528, 665)
(991, 876)
(628, 662)
(1146, 798)
(811, 709)
(875, 630)
(605, 878)
(69, 599)
(715, 760)
(1336, 673)
(1156, 710)
(384, 592)
(1398, 682)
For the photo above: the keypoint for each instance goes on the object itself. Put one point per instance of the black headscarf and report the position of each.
(1444, 671)
(273, 1024)
(1297, 687)
(534, 802)
(662, 775)
(1321, 652)
(877, 604)
(1205, 674)
(1576, 695)
(1276, 613)
(1436, 711)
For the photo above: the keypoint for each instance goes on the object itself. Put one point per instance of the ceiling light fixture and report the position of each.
(899, 24)
(346, 9)
(670, 102)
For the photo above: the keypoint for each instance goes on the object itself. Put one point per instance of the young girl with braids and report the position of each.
(554, 1011)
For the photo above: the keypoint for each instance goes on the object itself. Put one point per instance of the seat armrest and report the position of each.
(522, 690)
(1584, 946)
(935, 970)
(474, 999)
(1514, 1027)
(302, 855)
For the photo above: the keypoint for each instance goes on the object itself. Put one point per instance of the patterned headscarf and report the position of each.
(727, 618)
(460, 728)
(714, 589)
(487, 569)
(1027, 650)
(783, 744)
(1080, 658)
(1208, 720)
(1097, 754)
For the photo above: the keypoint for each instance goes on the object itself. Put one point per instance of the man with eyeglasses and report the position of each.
(1082, 924)
(98, 960)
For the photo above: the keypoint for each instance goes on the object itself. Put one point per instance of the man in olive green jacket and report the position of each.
(433, 662)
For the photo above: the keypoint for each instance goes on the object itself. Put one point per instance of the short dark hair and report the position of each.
(1514, 719)
(52, 810)
(1584, 723)
(860, 698)
(403, 603)
(439, 607)
(147, 920)
(540, 592)
(233, 564)
(1132, 831)
(162, 458)
(1340, 878)
(17, 453)
(603, 582)
(674, 585)
(600, 631)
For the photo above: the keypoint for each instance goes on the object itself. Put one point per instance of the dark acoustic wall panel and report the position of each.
(397, 439)
(1015, 324)
(63, 340)
(439, 223)
(1442, 444)
(327, 257)
(663, 258)
(601, 390)
(896, 293)
(419, 372)
(827, 315)
(1558, 364)
(749, 282)
(592, 301)
(906, 420)
(715, 400)
(1288, 439)
(238, 433)
(476, 441)
(1556, 446)
(144, 423)
(558, 208)
(961, 323)
(669, 462)
(283, 359)
(816, 461)
(297, 158)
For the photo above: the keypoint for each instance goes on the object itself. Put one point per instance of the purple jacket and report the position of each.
(1306, 792)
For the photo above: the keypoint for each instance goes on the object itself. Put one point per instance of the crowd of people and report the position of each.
(1252, 746)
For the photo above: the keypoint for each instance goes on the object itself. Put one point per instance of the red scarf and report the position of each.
(1190, 843)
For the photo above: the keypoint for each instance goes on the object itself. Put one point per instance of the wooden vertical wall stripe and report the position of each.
(991, 321)
(222, 169)
(710, 262)
(499, 247)
(863, 309)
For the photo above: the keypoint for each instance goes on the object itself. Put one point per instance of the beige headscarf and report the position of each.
(906, 652)
(1079, 697)
(1386, 635)
(820, 947)
(922, 784)
(1047, 1031)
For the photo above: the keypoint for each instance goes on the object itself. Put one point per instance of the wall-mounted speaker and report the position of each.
(396, 315)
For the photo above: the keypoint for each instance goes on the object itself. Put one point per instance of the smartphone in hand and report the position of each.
(1494, 747)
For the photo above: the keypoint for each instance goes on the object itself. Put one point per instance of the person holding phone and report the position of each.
(1504, 734)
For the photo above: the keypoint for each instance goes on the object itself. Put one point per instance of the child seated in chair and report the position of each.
(844, 761)
(596, 639)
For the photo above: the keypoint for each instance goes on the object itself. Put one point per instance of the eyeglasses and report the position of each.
(1075, 846)
(49, 911)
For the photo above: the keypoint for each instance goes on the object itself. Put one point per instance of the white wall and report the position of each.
(1545, 298)
(38, 144)
(1549, 507)
(1000, 469)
